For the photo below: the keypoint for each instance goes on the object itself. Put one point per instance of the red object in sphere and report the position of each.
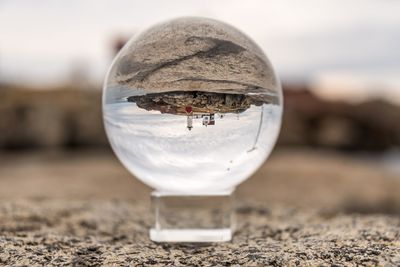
(188, 109)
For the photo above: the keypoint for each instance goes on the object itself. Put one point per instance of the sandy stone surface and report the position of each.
(90, 233)
(301, 208)
(193, 54)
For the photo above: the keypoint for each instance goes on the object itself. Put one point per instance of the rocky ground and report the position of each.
(302, 208)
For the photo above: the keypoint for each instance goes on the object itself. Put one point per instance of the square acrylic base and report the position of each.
(192, 218)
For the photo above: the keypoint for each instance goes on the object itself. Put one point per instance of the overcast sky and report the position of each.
(41, 40)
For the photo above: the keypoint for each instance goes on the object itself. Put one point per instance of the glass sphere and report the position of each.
(192, 105)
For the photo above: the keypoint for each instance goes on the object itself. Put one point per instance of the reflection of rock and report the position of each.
(192, 54)
(199, 102)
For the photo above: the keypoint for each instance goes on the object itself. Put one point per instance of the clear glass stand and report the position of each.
(192, 217)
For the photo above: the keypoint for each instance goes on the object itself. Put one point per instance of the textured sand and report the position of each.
(190, 54)
(301, 208)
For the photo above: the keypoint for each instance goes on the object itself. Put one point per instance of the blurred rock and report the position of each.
(311, 121)
(71, 117)
(62, 117)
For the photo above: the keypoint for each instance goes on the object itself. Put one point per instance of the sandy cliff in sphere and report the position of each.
(194, 54)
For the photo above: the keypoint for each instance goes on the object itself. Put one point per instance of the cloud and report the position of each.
(41, 40)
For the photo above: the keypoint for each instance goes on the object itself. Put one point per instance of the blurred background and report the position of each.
(339, 62)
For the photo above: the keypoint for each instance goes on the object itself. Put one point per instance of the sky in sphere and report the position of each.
(325, 41)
